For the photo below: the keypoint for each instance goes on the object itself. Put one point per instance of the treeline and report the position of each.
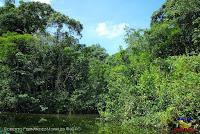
(47, 72)
(156, 79)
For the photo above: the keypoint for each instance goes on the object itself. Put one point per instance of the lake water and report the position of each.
(62, 124)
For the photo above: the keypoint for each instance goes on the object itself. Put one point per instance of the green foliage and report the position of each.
(41, 73)
(155, 94)
(50, 79)
(156, 79)
(152, 82)
(183, 16)
(36, 17)
(164, 39)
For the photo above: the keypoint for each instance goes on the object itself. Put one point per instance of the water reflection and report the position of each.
(62, 124)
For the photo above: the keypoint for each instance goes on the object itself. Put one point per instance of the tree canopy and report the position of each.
(44, 68)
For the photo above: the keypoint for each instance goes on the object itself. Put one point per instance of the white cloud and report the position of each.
(43, 1)
(110, 31)
(1, 4)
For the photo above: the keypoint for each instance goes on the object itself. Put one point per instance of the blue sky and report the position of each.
(104, 20)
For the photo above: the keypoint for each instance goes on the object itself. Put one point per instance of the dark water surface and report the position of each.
(62, 124)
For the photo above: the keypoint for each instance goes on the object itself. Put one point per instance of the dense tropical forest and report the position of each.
(44, 68)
